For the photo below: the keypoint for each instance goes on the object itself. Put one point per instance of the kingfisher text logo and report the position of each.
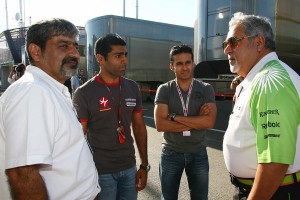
(269, 112)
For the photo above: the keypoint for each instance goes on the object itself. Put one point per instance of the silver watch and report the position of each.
(172, 116)
(145, 167)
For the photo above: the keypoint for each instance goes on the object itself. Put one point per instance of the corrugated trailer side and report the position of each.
(212, 27)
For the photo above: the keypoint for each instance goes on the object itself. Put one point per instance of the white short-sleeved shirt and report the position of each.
(38, 125)
(264, 126)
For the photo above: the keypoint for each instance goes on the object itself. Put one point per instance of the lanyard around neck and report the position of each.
(118, 107)
(185, 107)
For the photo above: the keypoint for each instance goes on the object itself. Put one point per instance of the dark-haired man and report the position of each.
(107, 105)
(184, 108)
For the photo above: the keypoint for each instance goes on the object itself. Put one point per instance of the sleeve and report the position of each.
(209, 94)
(31, 122)
(81, 105)
(139, 105)
(162, 95)
(274, 111)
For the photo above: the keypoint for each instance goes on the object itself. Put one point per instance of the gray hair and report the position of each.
(253, 26)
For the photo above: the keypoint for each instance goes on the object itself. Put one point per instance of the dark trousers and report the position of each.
(288, 192)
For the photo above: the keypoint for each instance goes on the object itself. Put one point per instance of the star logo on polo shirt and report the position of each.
(104, 104)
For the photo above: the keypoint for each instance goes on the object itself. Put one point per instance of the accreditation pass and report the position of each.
(186, 133)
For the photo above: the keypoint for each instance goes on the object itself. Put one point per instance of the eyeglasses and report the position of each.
(233, 41)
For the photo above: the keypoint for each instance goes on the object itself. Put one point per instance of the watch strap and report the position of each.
(145, 167)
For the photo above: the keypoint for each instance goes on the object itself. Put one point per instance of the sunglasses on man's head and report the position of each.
(233, 41)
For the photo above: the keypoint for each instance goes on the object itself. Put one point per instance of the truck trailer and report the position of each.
(211, 29)
(148, 46)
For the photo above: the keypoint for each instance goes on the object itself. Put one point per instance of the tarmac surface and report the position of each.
(220, 187)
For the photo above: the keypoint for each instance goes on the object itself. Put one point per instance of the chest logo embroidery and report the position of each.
(104, 104)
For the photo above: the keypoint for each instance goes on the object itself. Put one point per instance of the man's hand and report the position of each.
(204, 110)
(141, 179)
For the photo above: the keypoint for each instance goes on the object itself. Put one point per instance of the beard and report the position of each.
(68, 72)
(69, 67)
(234, 68)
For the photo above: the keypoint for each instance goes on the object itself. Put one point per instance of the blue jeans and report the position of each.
(196, 168)
(119, 185)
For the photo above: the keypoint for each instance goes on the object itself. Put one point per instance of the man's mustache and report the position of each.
(70, 59)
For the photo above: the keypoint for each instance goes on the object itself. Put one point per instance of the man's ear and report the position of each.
(99, 58)
(260, 42)
(171, 67)
(34, 51)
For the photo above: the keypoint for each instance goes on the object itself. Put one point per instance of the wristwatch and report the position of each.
(145, 167)
(172, 116)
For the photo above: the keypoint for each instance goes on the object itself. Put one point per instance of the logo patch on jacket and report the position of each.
(104, 104)
(130, 102)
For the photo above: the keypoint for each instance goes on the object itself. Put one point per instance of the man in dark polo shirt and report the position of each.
(184, 108)
(107, 105)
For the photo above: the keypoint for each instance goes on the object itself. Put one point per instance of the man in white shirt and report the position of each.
(43, 152)
(261, 145)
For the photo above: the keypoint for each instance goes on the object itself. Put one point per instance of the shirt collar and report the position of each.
(257, 67)
(52, 82)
